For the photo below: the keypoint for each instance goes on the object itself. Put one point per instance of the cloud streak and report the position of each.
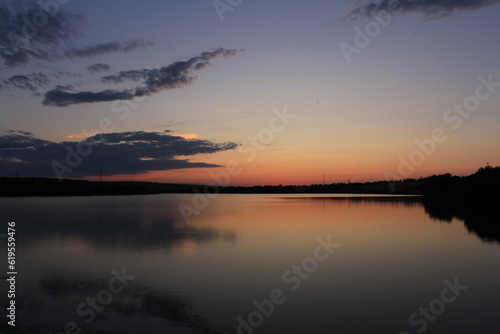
(29, 82)
(121, 153)
(99, 67)
(430, 9)
(175, 75)
(61, 97)
(107, 48)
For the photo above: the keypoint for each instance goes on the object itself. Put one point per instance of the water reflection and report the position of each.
(199, 277)
(125, 233)
(135, 299)
(57, 233)
(122, 224)
(408, 201)
(478, 221)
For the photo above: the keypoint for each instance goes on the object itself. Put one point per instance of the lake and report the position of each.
(248, 264)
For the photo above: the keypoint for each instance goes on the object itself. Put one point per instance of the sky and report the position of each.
(248, 92)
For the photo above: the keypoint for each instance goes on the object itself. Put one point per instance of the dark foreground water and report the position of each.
(247, 264)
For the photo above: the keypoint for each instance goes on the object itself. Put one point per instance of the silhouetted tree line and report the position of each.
(473, 198)
(30, 186)
(443, 190)
(459, 193)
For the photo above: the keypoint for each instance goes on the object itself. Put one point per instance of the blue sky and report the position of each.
(353, 119)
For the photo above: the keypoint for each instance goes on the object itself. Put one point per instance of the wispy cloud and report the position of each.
(20, 132)
(30, 82)
(121, 153)
(99, 67)
(22, 41)
(176, 75)
(107, 48)
(430, 9)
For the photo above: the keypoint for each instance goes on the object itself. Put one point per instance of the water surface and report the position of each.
(209, 274)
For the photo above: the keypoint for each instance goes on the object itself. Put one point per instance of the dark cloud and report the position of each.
(60, 74)
(430, 9)
(60, 96)
(107, 48)
(31, 30)
(96, 68)
(176, 75)
(120, 153)
(131, 75)
(25, 82)
(27, 32)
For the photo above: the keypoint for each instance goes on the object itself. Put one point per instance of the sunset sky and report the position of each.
(285, 90)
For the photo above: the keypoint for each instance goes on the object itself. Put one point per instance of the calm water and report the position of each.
(389, 258)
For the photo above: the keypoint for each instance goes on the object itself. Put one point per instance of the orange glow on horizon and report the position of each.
(270, 176)
(302, 166)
